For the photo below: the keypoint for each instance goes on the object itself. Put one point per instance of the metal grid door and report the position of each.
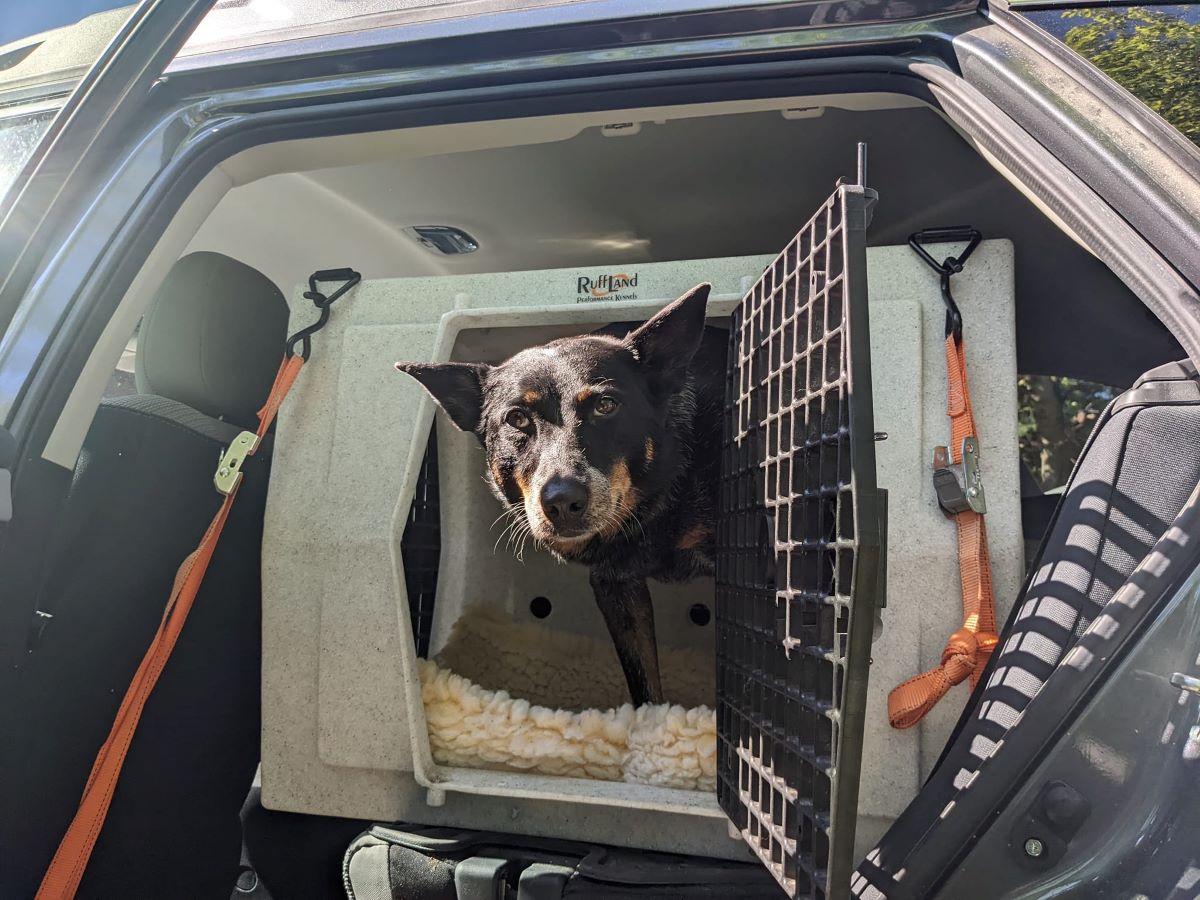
(798, 553)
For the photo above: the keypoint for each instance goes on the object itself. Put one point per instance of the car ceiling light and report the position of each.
(444, 239)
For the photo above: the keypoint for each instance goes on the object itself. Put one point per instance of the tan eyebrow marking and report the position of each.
(531, 397)
(592, 390)
(649, 450)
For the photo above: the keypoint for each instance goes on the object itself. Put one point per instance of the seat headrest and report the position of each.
(213, 338)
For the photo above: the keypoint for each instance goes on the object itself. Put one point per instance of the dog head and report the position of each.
(576, 432)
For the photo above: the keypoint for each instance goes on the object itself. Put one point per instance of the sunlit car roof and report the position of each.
(248, 23)
(244, 30)
(249, 30)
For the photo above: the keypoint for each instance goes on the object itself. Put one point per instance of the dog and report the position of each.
(606, 449)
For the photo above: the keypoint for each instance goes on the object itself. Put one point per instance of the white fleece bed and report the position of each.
(561, 709)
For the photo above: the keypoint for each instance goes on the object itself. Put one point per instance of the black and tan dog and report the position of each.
(607, 447)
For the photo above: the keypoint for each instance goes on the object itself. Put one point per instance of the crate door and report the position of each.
(798, 551)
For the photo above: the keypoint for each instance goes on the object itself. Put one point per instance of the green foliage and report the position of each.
(1054, 418)
(1153, 54)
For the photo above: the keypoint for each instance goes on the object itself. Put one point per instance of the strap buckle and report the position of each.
(229, 469)
(952, 497)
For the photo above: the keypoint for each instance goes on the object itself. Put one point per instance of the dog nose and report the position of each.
(564, 501)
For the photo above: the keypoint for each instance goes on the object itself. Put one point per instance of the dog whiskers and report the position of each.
(496, 546)
(620, 519)
(517, 531)
(525, 530)
(513, 511)
(624, 520)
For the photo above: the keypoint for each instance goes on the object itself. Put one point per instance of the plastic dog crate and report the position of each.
(347, 571)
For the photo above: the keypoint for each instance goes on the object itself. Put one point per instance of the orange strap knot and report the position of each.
(966, 654)
(958, 659)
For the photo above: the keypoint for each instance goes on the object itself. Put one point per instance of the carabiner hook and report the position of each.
(322, 303)
(952, 265)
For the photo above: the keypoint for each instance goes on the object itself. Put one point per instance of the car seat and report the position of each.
(1132, 479)
(141, 497)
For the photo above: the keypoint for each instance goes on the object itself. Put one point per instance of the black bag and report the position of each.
(386, 863)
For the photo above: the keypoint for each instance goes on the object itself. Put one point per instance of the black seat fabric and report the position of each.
(1132, 480)
(297, 856)
(141, 497)
(211, 340)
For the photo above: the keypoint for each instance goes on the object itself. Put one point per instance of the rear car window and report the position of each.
(20, 132)
(1152, 51)
(122, 383)
(1055, 415)
(39, 70)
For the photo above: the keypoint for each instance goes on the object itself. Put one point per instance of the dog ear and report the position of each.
(666, 343)
(457, 388)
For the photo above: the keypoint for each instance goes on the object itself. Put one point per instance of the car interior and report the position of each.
(191, 352)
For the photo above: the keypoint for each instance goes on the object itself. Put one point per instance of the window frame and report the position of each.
(68, 169)
(1009, 14)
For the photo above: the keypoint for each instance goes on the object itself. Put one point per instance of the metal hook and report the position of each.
(322, 303)
(952, 265)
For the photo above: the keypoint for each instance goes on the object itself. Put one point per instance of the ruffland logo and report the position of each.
(619, 286)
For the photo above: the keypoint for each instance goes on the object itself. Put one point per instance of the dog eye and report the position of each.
(605, 406)
(517, 418)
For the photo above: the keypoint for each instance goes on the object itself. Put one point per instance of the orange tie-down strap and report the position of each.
(967, 650)
(66, 868)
